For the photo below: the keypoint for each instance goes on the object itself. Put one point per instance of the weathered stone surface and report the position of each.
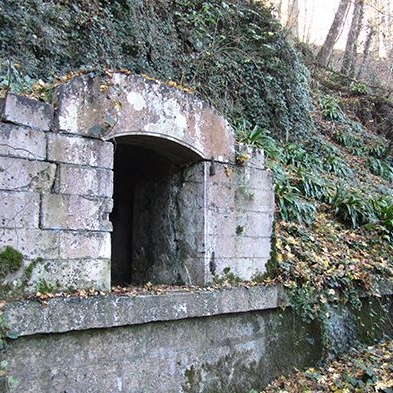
(19, 209)
(84, 181)
(196, 173)
(80, 151)
(28, 112)
(130, 105)
(76, 245)
(75, 313)
(22, 142)
(239, 219)
(251, 224)
(32, 243)
(254, 200)
(252, 156)
(253, 247)
(242, 268)
(254, 178)
(230, 353)
(25, 175)
(65, 274)
(74, 212)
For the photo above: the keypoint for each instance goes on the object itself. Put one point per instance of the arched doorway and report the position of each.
(152, 223)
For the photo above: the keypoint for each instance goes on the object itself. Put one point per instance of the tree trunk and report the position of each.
(366, 51)
(333, 34)
(279, 9)
(294, 17)
(350, 54)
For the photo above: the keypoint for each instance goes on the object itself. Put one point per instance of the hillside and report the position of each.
(324, 137)
(232, 54)
(333, 193)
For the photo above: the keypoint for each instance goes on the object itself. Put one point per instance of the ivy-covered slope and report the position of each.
(334, 226)
(232, 52)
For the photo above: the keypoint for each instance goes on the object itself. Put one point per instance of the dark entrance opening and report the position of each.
(145, 217)
(157, 225)
(141, 213)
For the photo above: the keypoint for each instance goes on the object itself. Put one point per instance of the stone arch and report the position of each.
(129, 105)
(209, 215)
(148, 120)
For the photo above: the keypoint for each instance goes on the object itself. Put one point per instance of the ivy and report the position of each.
(232, 53)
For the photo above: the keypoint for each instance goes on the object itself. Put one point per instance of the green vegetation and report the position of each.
(232, 53)
(10, 261)
(44, 288)
(327, 145)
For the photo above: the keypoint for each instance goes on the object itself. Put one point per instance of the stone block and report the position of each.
(253, 157)
(84, 181)
(222, 174)
(27, 112)
(74, 313)
(32, 243)
(255, 178)
(77, 245)
(254, 224)
(24, 175)
(81, 273)
(241, 267)
(23, 142)
(19, 209)
(254, 199)
(253, 247)
(221, 223)
(74, 212)
(219, 195)
(80, 151)
(222, 245)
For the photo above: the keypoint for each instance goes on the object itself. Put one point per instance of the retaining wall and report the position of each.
(204, 340)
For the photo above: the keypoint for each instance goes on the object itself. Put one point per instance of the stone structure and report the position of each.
(207, 341)
(125, 180)
(204, 341)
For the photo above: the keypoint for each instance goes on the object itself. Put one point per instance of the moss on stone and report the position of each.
(10, 261)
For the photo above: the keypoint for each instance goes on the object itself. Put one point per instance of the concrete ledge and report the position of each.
(58, 315)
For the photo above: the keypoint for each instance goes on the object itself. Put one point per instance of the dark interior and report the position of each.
(142, 181)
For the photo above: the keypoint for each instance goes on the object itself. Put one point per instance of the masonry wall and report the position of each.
(56, 192)
(196, 215)
(206, 341)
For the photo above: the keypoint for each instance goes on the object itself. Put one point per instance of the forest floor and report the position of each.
(362, 369)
